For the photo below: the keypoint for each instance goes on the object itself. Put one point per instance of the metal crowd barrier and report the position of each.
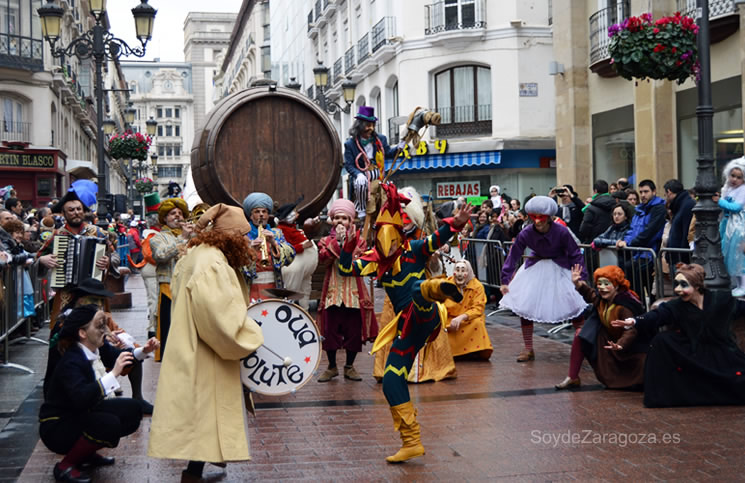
(12, 314)
(643, 266)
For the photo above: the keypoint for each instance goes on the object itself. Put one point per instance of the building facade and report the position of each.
(483, 65)
(609, 127)
(206, 38)
(163, 91)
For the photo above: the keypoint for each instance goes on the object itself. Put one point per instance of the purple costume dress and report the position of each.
(542, 289)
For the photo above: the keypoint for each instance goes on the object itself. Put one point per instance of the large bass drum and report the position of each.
(290, 353)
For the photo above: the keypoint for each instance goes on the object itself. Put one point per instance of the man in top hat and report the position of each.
(364, 155)
(297, 275)
(167, 247)
(73, 210)
(274, 251)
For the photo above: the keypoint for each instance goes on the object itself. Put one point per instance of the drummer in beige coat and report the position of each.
(200, 414)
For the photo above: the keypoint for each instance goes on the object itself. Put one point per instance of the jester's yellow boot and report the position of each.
(439, 290)
(404, 420)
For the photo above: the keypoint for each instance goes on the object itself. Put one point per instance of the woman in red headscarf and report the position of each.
(616, 355)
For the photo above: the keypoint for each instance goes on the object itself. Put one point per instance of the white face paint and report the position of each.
(683, 288)
(460, 273)
(606, 289)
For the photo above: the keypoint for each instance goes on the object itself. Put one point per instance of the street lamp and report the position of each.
(129, 115)
(109, 126)
(321, 78)
(100, 44)
(707, 249)
(151, 126)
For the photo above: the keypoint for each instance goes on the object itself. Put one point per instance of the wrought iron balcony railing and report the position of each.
(17, 51)
(442, 16)
(338, 70)
(599, 23)
(363, 48)
(15, 131)
(382, 32)
(465, 120)
(349, 60)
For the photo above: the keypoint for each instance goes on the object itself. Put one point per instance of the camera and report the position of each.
(559, 190)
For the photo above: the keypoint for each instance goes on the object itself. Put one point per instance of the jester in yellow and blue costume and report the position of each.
(400, 265)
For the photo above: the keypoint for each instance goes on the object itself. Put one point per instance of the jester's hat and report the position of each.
(391, 211)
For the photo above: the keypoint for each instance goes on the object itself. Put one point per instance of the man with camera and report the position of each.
(570, 207)
(598, 214)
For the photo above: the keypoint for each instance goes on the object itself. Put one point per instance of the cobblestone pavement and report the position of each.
(499, 420)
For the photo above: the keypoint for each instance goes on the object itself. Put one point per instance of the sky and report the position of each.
(168, 32)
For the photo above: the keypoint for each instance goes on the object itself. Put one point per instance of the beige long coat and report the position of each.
(199, 409)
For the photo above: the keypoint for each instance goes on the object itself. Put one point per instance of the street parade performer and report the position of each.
(199, 410)
(696, 362)
(434, 361)
(467, 328)
(346, 313)
(167, 246)
(546, 270)
(298, 275)
(270, 245)
(400, 265)
(364, 155)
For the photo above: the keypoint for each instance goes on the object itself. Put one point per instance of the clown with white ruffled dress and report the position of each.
(541, 290)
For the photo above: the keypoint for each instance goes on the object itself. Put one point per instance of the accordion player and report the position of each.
(77, 258)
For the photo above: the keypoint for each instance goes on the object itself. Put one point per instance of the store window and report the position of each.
(614, 156)
(728, 143)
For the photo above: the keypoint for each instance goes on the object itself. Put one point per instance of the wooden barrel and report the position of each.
(268, 139)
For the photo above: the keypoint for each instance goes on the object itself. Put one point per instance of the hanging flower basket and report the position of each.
(129, 146)
(663, 49)
(144, 185)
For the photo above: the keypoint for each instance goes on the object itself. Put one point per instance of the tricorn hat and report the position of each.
(284, 211)
(91, 286)
(69, 196)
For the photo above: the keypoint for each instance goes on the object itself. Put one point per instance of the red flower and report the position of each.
(673, 50)
(656, 31)
(659, 48)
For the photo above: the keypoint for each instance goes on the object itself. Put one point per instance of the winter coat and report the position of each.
(351, 152)
(682, 209)
(598, 217)
(199, 407)
(647, 226)
(575, 215)
(610, 236)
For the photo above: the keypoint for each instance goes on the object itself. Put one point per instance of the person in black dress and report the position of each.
(696, 362)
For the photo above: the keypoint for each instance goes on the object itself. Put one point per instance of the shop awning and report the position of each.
(450, 161)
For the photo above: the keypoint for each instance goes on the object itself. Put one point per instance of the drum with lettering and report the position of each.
(290, 353)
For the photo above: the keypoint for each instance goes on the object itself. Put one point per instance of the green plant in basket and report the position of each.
(663, 49)
(144, 185)
(129, 146)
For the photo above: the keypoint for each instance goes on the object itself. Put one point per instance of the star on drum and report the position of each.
(307, 360)
(264, 313)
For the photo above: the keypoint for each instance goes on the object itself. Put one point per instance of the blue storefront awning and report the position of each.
(449, 161)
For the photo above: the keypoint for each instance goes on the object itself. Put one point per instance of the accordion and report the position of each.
(76, 259)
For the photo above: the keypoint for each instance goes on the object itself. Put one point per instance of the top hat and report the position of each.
(366, 113)
(152, 202)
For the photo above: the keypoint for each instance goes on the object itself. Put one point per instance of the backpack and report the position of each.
(147, 253)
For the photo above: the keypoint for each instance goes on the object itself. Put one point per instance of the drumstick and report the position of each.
(286, 361)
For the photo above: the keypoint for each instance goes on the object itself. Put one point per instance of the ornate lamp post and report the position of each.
(100, 44)
(321, 79)
(708, 248)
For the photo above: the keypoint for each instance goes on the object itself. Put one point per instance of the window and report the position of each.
(169, 112)
(614, 155)
(177, 112)
(169, 171)
(169, 130)
(13, 126)
(463, 96)
(177, 130)
(460, 14)
(177, 150)
(160, 130)
(160, 112)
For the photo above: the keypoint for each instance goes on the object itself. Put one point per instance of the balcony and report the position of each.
(349, 61)
(320, 17)
(15, 131)
(338, 72)
(363, 48)
(599, 40)
(328, 8)
(382, 40)
(458, 19)
(465, 121)
(724, 19)
(312, 26)
(18, 52)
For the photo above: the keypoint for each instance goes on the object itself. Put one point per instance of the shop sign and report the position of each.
(440, 146)
(13, 160)
(455, 189)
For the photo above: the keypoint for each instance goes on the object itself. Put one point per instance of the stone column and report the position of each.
(573, 130)
(654, 116)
